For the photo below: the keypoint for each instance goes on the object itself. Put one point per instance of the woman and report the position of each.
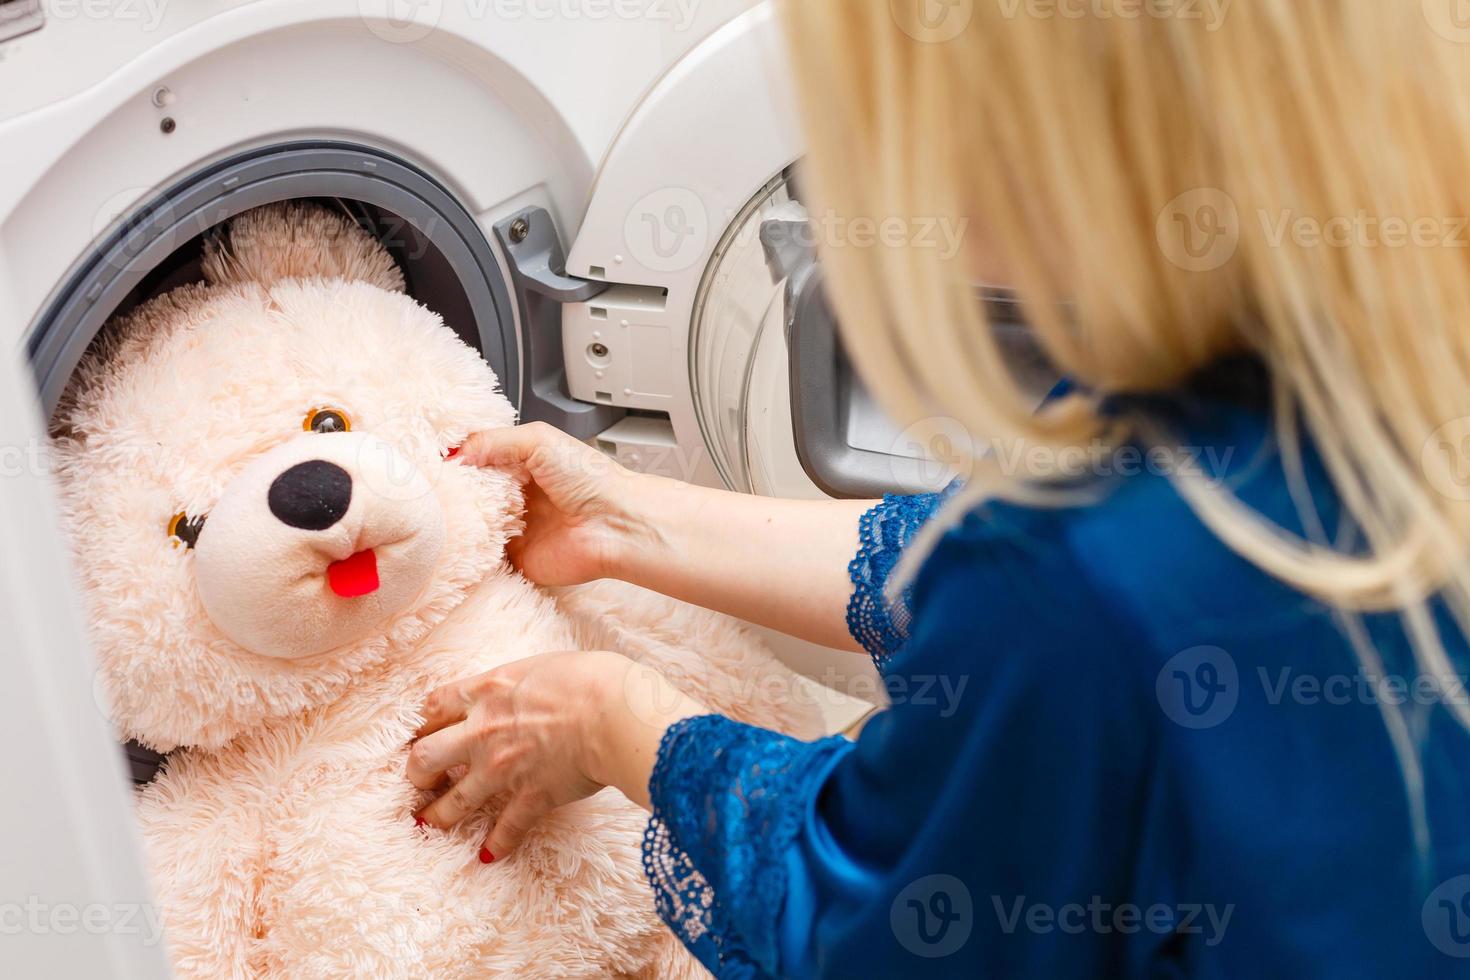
(1210, 720)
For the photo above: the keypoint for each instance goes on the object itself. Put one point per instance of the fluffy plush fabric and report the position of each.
(280, 834)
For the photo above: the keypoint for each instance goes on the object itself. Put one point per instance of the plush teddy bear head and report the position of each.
(257, 474)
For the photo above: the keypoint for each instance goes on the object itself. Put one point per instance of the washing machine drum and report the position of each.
(446, 260)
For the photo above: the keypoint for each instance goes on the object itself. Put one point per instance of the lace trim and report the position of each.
(879, 626)
(728, 800)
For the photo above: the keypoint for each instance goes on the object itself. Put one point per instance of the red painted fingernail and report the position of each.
(452, 453)
(485, 856)
(418, 821)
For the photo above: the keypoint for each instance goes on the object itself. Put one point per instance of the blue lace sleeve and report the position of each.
(879, 625)
(728, 801)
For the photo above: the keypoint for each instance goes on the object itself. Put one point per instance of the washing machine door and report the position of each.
(697, 230)
(72, 845)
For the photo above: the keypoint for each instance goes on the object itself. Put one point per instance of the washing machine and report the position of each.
(603, 197)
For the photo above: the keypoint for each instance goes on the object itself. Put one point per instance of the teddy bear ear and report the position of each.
(297, 240)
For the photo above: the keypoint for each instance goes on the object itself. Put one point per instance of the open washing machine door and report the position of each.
(710, 329)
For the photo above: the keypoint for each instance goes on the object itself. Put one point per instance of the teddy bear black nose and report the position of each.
(312, 495)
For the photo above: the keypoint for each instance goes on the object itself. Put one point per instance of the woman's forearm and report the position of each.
(779, 563)
(626, 726)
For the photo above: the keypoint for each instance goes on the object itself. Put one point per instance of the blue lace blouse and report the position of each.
(1114, 750)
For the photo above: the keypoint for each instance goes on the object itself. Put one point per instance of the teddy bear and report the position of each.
(280, 557)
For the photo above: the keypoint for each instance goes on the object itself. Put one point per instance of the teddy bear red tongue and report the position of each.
(355, 576)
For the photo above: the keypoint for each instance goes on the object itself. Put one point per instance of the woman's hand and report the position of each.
(579, 521)
(543, 732)
(781, 563)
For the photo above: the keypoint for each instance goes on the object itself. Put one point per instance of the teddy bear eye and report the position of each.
(183, 528)
(326, 420)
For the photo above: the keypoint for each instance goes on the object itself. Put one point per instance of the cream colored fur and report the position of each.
(280, 834)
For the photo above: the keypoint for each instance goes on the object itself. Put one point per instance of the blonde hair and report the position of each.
(1085, 137)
